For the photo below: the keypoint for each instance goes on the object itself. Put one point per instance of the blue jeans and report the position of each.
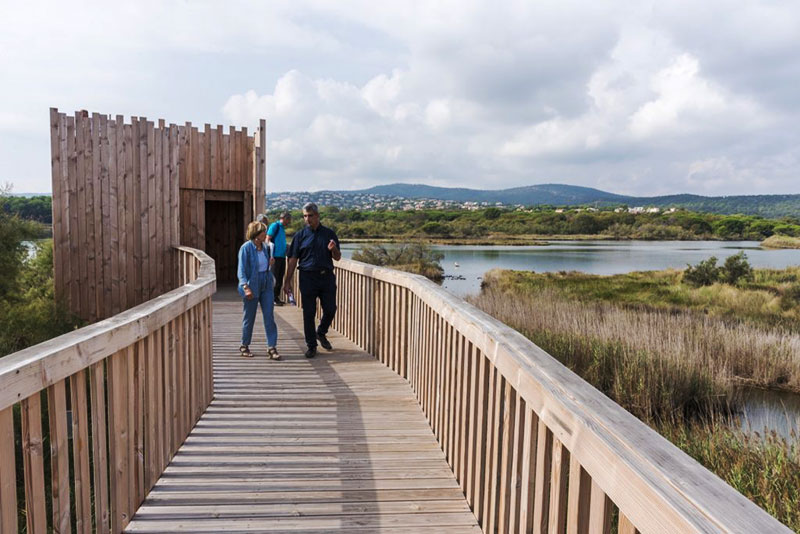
(266, 298)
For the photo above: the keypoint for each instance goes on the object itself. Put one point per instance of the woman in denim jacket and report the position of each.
(256, 285)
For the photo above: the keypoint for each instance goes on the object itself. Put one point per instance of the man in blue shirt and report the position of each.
(276, 234)
(312, 251)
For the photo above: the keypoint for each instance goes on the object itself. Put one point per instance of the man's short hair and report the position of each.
(286, 215)
(261, 218)
(310, 207)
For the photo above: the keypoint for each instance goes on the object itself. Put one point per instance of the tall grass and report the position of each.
(656, 362)
(765, 469)
(771, 298)
(672, 364)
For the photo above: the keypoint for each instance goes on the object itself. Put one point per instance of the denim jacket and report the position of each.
(248, 267)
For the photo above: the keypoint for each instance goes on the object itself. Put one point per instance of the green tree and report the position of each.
(435, 228)
(730, 227)
(736, 268)
(491, 213)
(13, 232)
(415, 257)
(704, 273)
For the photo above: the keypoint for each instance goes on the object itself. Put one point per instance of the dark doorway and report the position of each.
(224, 236)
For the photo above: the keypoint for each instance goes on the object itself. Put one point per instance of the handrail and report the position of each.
(533, 445)
(153, 365)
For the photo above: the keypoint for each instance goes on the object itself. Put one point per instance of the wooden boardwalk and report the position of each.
(333, 444)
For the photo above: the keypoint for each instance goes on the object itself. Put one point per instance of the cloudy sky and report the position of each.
(632, 97)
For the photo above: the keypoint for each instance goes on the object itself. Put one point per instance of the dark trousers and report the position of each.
(279, 269)
(314, 285)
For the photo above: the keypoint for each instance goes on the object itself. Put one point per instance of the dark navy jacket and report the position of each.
(310, 247)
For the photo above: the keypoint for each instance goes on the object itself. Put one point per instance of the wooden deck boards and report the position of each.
(333, 444)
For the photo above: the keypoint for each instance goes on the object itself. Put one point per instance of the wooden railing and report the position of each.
(534, 447)
(116, 399)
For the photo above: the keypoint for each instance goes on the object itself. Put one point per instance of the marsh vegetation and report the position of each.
(676, 354)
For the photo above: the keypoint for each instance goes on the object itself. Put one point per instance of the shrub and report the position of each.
(736, 268)
(415, 258)
(435, 228)
(792, 230)
(491, 213)
(704, 273)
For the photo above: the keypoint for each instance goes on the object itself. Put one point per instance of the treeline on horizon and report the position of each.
(477, 224)
(540, 221)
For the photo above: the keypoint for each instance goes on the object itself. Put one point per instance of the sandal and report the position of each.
(272, 352)
(244, 350)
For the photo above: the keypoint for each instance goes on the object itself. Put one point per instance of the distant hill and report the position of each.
(571, 195)
(556, 194)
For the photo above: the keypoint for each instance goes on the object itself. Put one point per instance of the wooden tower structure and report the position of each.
(125, 194)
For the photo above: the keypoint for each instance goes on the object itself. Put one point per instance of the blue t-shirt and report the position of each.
(263, 262)
(310, 247)
(277, 234)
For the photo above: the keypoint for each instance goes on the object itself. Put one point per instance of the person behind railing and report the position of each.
(256, 285)
(276, 233)
(312, 251)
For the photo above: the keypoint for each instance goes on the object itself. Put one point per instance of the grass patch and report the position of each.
(771, 298)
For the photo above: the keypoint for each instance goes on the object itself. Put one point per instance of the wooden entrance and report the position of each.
(224, 236)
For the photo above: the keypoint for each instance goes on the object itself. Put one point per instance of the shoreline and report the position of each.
(506, 240)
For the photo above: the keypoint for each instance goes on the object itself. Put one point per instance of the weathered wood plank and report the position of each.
(558, 489)
(72, 272)
(59, 456)
(120, 480)
(541, 497)
(599, 511)
(80, 453)
(59, 187)
(97, 395)
(8, 473)
(33, 462)
(580, 491)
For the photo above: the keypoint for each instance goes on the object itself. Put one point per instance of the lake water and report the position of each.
(776, 411)
(464, 266)
(468, 263)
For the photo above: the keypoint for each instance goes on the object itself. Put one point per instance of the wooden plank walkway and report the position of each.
(333, 444)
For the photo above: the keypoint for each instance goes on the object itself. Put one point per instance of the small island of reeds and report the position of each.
(781, 241)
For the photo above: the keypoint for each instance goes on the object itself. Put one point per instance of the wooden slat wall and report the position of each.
(523, 455)
(125, 194)
(120, 400)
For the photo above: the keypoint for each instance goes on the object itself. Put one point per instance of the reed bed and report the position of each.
(676, 369)
(654, 362)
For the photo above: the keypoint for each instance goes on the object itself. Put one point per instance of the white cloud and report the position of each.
(638, 99)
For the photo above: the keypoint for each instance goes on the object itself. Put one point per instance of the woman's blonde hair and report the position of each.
(255, 228)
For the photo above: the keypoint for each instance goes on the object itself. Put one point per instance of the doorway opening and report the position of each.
(224, 227)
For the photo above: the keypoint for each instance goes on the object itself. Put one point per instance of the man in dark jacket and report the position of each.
(312, 251)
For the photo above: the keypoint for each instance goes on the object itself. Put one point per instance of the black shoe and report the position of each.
(278, 303)
(311, 352)
(324, 342)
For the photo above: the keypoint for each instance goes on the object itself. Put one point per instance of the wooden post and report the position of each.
(33, 461)
(8, 473)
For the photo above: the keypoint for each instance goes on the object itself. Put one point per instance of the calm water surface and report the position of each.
(465, 265)
(468, 263)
